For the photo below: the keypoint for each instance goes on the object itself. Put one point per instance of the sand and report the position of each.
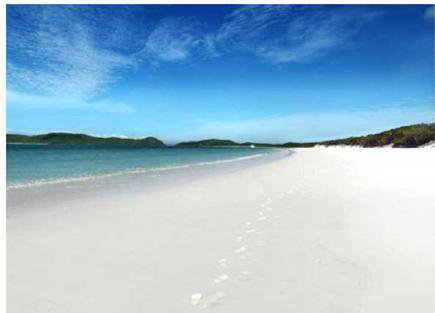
(323, 230)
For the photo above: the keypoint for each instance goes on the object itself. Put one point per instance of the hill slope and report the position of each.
(207, 143)
(82, 139)
(406, 136)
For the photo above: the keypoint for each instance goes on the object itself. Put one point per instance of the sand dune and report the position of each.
(323, 230)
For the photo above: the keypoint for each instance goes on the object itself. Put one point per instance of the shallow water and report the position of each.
(45, 164)
(54, 193)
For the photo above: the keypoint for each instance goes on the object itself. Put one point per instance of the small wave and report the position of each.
(44, 182)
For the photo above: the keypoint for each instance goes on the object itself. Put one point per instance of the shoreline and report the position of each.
(351, 229)
(90, 177)
(53, 193)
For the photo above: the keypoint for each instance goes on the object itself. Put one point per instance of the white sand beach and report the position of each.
(322, 230)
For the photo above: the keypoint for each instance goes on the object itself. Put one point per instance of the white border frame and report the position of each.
(3, 82)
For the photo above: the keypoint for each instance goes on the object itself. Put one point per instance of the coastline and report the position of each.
(74, 179)
(324, 230)
(53, 193)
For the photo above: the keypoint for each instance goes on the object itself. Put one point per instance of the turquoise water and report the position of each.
(39, 164)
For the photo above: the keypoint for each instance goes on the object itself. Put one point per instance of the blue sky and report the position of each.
(265, 73)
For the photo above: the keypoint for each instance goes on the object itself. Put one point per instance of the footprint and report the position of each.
(202, 301)
(196, 298)
(243, 276)
(215, 299)
(223, 262)
(241, 249)
(221, 278)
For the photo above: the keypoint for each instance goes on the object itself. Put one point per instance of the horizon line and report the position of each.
(188, 140)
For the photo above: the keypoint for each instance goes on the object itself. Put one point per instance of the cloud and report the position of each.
(24, 100)
(274, 33)
(429, 13)
(83, 50)
(56, 50)
(172, 40)
(286, 33)
(80, 52)
(312, 126)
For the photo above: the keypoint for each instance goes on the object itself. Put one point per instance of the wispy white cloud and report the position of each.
(172, 40)
(57, 50)
(251, 22)
(62, 102)
(79, 52)
(275, 33)
(64, 49)
(286, 33)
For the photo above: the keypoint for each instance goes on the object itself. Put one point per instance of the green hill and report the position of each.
(298, 144)
(82, 139)
(207, 143)
(406, 137)
(229, 143)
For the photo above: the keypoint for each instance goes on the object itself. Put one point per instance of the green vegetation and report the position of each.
(207, 143)
(298, 144)
(82, 139)
(229, 143)
(407, 137)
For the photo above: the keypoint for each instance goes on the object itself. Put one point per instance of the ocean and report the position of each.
(28, 165)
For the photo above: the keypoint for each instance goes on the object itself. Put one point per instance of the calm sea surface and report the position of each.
(42, 164)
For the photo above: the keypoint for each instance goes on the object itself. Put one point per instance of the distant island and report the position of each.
(406, 137)
(229, 143)
(402, 137)
(82, 139)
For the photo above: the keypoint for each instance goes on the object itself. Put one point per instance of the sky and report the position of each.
(273, 73)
